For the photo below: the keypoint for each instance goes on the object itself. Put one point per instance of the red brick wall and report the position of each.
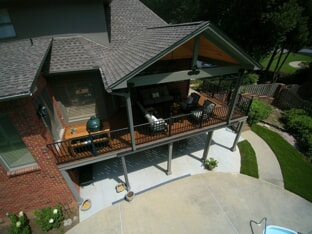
(38, 187)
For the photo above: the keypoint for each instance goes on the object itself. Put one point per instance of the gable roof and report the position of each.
(21, 62)
(138, 38)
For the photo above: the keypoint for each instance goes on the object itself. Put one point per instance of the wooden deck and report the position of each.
(178, 125)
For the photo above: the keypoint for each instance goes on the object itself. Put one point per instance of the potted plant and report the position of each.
(211, 163)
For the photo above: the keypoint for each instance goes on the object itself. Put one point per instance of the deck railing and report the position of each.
(102, 143)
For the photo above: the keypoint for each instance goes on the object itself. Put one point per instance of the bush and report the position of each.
(211, 163)
(250, 79)
(48, 218)
(259, 111)
(19, 224)
(299, 123)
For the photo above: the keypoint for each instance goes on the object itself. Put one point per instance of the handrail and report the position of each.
(105, 142)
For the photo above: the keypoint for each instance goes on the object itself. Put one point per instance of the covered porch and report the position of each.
(115, 139)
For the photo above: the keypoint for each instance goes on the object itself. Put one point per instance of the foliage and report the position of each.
(48, 218)
(296, 171)
(250, 79)
(249, 165)
(299, 123)
(19, 224)
(211, 163)
(259, 111)
(258, 26)
(286, 68)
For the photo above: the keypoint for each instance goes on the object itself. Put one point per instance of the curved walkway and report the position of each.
(204, 203)
(268, 166)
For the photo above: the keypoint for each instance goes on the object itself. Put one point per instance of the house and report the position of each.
(66, 61)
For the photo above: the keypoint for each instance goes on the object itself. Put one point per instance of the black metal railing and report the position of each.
(102, 143)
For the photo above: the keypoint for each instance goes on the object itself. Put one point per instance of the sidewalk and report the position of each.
(268, 166)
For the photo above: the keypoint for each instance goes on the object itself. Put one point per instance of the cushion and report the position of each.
(189, 100)
(155, 95)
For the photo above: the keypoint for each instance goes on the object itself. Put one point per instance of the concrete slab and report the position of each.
(204, 203)
(147, 170)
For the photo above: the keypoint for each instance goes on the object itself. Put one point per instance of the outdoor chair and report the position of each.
(155, 124)
(204, 113)
(190, 103)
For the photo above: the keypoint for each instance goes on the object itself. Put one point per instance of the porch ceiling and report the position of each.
(180, 75)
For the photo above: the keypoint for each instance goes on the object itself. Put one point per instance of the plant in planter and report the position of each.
(211, 163)
(19, 224)
(48, 218)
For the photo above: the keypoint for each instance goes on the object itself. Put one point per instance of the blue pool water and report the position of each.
(278, 230)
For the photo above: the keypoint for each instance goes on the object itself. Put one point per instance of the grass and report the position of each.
(297, 172)
(286, 68)
(249, 164)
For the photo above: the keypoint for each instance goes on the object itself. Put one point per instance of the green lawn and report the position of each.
(249, 164)
(286, 68)
(297, 172)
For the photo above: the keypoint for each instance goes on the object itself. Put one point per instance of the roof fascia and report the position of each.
(159, 56)
(221, 40)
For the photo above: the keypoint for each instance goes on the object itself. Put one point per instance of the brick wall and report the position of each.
(35, 187)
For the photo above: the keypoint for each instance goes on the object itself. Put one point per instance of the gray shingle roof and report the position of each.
(70, 54)
(131, 57)
(20, 63)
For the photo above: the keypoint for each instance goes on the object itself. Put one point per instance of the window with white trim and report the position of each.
(14, 154)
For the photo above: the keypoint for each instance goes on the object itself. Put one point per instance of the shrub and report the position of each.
(211, 163)
(250, 79)
(259, 111)
(48, 218)
(299, 123)
(19, 224)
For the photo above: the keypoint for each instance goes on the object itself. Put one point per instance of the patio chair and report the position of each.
(190, 103)
(156, 124)
(204, 113)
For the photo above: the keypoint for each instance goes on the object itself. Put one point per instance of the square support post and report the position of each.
(207, 146)
(124, 166)
(240, 127)
(170, 147)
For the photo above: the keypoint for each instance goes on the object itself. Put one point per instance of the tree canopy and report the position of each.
(258, 26)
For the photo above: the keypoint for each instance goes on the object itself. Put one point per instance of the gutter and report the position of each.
(15, 96)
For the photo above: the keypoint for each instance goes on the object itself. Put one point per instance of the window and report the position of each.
(77, 100)
(6, 26)
(13, 152)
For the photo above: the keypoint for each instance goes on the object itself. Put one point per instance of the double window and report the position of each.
(14, 154)
(6, 26)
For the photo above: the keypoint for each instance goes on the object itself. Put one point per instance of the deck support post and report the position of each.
(239, 131)
(124, 167)
(130, 120)
(170, 147)
(71, 186)
(207, 146)
(234, 97)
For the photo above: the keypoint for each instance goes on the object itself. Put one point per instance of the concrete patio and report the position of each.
(192, 199)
